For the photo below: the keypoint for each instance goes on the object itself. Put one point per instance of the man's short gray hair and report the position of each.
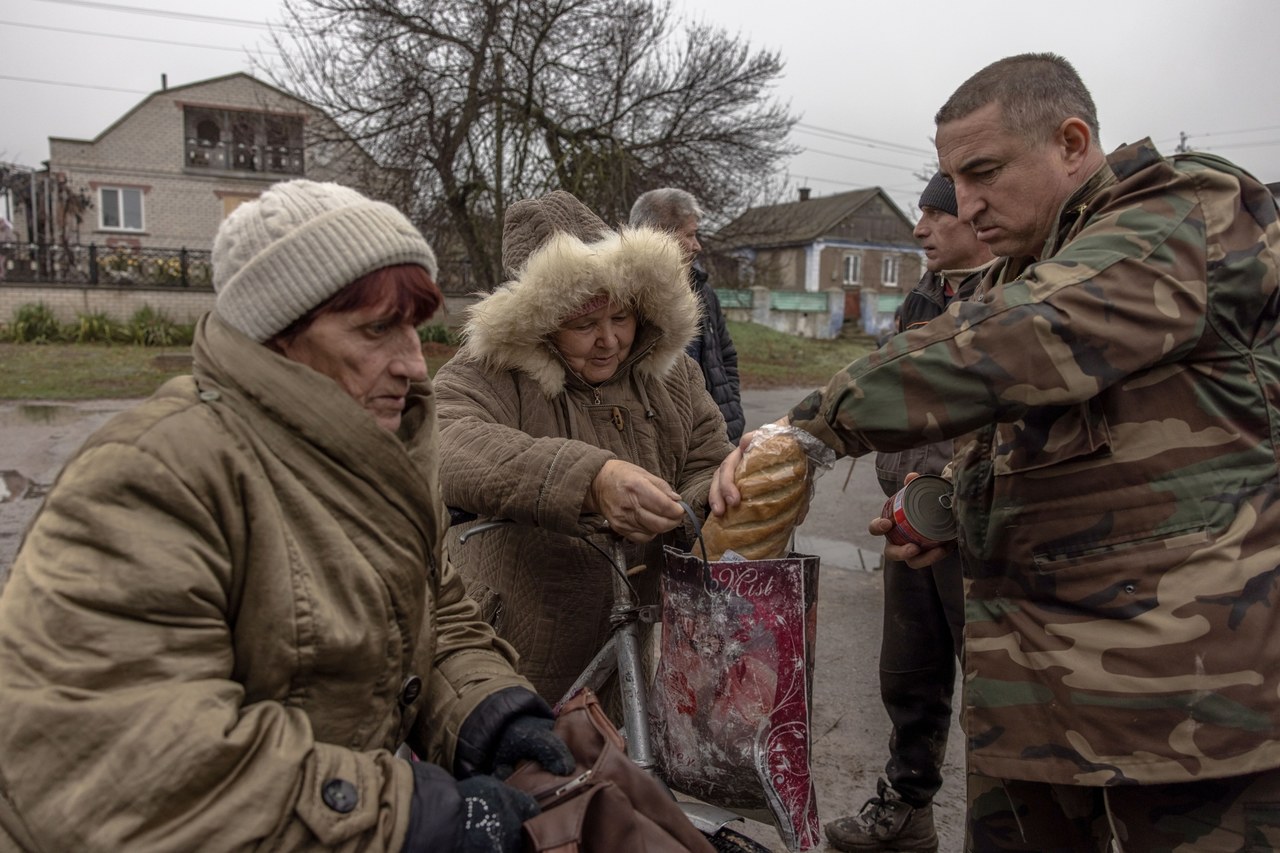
(665, 209)
(1036, 92)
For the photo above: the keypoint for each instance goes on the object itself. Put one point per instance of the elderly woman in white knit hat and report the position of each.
(234, 604)
(572, 396)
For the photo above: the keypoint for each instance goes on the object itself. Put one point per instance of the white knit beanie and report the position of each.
(300, 242)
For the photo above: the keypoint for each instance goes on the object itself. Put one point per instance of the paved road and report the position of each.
(849, 726)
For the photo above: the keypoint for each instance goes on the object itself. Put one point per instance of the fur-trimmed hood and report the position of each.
(642, 268)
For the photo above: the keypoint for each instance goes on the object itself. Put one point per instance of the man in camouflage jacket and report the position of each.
(1119, 499)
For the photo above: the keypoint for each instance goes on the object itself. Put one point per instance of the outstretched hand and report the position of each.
(913, 555)
(637, 504)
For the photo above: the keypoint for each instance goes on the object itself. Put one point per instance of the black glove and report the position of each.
(531, 737)
(492, 814)
(509, 725)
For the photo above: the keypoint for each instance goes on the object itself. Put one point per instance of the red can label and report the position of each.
(921, 513)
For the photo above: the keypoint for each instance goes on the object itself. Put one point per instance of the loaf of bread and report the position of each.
(773, 479)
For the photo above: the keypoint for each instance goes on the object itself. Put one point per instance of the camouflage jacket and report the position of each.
(927, 301)
(1120, 506)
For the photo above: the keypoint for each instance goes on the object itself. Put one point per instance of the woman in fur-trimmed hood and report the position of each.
(572, 396)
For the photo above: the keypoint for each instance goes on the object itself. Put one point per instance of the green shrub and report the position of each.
(151, 328)
(35, 323)
(97, 328)
(438, 334)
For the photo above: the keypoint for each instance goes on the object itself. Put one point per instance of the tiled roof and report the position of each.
(796, 222)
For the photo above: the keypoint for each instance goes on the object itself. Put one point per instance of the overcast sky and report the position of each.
(865, 77)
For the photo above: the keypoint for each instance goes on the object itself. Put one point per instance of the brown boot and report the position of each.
(885, 823)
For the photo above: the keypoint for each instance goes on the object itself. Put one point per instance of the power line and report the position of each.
(868, 141)
(1231, 132)
(131, 38)
(1261, 144)
(73, 85)
(162, 13)
(862, 160)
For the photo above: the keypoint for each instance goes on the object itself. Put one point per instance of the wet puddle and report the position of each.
(15, 487)
(41, 414)
(35, 438)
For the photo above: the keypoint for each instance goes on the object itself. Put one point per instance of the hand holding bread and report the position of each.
(772, 478)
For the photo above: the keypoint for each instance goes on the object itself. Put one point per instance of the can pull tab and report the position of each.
(945, 501)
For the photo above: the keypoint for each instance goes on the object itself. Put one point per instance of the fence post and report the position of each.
(182, 264)
(761, 309)
(93, 263)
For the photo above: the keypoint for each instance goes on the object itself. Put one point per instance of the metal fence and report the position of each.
(125, 266)
(113, 265)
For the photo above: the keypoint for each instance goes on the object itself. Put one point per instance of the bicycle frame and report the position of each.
(621, 654)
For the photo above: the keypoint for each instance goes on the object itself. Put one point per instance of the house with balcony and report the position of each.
(128, 218)
(167, 172)
(856, 247)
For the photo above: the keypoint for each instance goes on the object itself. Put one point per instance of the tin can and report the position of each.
(921, 513)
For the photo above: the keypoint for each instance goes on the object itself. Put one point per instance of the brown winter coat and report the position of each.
(214, 614)
(522, 438)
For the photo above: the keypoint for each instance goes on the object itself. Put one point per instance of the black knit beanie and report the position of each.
(940, 195)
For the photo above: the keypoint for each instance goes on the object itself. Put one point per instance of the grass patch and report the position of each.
(769, 359)
(79, 371)
(61, 371)
(99, 372)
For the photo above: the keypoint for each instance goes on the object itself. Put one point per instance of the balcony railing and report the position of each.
(277, 159)
(94, 264)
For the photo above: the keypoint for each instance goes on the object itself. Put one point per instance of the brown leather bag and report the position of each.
(609, 803)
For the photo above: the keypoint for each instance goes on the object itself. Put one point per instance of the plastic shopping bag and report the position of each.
(734, 687)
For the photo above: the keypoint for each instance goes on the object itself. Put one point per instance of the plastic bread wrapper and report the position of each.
(821, 459)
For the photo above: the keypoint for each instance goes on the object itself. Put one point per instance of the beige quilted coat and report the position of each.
(522, 438)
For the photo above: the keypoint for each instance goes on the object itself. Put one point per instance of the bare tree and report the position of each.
(482, 102)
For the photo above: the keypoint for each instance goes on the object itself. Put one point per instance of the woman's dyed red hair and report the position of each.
(408, 288)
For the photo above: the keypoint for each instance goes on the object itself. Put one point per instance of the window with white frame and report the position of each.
(120, 208)
(852, 268)
(889, 271)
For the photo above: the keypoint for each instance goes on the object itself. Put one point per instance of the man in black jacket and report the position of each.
(674, 210)
(923, 608)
